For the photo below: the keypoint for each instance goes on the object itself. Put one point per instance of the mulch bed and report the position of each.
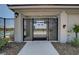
(12, 48)
(66, 48)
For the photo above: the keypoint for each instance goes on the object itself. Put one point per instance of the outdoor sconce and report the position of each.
(64, 26)
(16, 14)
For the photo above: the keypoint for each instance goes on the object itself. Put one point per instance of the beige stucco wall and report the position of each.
(18, 24)
(62, 18)
(62, 30)
(67, 17)
(73, 19)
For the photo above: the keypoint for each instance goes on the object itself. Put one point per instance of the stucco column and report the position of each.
(18, 28)
(63, 27)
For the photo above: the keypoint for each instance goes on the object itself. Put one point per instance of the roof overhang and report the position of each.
(23, 6)
(44, 9)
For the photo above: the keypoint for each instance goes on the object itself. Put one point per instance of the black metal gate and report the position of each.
(53, 29)
(49, 31)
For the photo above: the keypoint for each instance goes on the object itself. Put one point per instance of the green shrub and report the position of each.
(75, 42)
(76, 30)
(3, 42)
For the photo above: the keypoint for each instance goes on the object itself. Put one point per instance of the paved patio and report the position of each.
(38, 48)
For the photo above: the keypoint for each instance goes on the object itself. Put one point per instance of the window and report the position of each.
(1, 28)
(9, 28)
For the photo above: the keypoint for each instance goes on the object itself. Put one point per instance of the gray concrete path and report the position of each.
(38, 48)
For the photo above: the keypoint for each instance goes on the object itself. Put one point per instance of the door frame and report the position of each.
(47, 29)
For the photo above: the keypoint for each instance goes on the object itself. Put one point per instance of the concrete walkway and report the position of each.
(38, 48)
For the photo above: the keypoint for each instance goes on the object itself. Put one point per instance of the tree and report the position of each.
(76, 30)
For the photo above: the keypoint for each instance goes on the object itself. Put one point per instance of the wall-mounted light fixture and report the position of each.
(64, 26)
(16, 14)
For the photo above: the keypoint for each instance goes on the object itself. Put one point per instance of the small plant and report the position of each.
(76, 30)
(3, 42)
(75, 42)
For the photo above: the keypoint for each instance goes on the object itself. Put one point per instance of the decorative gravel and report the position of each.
(12, 48)
(66, 49)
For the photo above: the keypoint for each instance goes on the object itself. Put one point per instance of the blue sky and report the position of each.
(5, 12)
